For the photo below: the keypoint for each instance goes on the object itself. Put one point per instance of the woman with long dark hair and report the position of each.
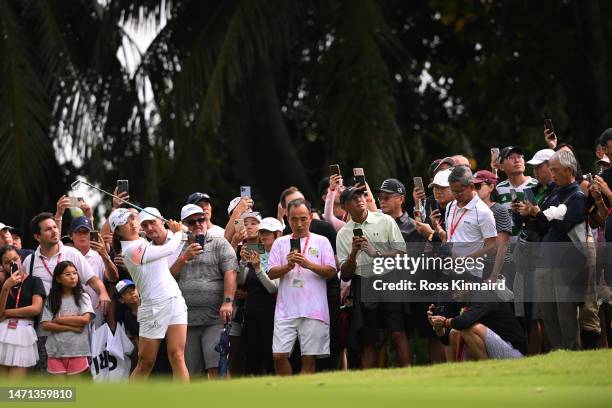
(21, 300)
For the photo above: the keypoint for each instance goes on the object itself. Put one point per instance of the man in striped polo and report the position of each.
(512, 163)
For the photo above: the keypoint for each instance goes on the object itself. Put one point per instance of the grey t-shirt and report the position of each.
(69, 343)
(201, 281)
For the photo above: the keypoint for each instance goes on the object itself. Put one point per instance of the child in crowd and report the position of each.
(67, 315)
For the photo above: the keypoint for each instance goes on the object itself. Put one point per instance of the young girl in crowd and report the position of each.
(67, 314)
(21, 300)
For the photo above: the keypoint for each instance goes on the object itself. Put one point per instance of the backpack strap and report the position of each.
(32, 264)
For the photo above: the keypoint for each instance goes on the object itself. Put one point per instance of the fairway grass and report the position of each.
(560, 379)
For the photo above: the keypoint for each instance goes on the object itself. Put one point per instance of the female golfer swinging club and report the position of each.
(162, 311)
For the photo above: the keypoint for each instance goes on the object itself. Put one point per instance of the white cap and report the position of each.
(190, 209)
(148, 214)
(270, 224)
(233, 204)
(118, 217)
(441, 179)
(541, 156)
(250, 214)
(4, 226)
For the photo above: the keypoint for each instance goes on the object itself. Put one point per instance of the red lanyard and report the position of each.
(453, 226)
(59, 259)
(18, 294)
(306, 244)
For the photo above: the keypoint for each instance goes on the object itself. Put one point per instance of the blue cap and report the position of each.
(123, 285)
(81, 222)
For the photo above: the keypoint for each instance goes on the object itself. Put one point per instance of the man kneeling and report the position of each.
(486, 328)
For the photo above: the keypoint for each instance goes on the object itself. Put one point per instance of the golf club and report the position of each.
(76, 183)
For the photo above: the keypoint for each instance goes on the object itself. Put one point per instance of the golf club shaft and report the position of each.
(122, 200)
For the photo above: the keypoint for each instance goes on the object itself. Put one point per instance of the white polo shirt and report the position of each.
(43, 266)
(468, 227)
(97, 266)
(216, 231)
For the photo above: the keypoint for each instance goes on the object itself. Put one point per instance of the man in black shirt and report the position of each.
(407, 316)
(486, 329)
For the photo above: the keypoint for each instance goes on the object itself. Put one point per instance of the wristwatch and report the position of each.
(228, 300)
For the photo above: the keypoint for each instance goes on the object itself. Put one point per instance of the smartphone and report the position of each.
(123, 187)
(14, 267)
(295, 245)
(199, 239)
(529, 196)
(238, 224)
(434, 206)
(259, 248)
(359, 176)
(549, 125)
(75, 202)
(418, 183)
(513, 195)
(94, 236)
(245, 191)
(589, 178)
(358, 232)
(439, 311)
(494, 154)
(334, 169)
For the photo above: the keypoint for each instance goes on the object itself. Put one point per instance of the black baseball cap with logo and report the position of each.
(392, 186)
(349, 192)
(197, 197)
(508, 150)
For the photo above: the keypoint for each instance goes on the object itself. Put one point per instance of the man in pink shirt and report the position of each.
(301, 305)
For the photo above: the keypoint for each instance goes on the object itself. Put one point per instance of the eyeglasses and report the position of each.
(200, 220)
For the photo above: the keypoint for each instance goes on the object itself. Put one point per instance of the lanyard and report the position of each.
(303, 252)
(18, 293)
(306, 245)
(453, 226)
(59, 259)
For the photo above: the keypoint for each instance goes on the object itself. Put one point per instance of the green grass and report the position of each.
(557, 380)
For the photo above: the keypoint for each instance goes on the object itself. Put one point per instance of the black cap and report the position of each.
(16, 231)
(392, 186)
(506, 151)
(197, 197)
(349, 192)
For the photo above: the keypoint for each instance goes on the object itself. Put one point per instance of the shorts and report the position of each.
(499, 348)
(313, 336)
(200, 345)
(154, 319)
(67, 365)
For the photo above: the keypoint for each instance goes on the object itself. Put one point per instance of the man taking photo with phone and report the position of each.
(376, 233)
(207, 279)
(301, 306)
(391, 197)
(97, 257)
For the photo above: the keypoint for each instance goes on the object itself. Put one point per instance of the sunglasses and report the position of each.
(200, 220)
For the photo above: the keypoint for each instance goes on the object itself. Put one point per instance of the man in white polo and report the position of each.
(41, 264)
(470, 224)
